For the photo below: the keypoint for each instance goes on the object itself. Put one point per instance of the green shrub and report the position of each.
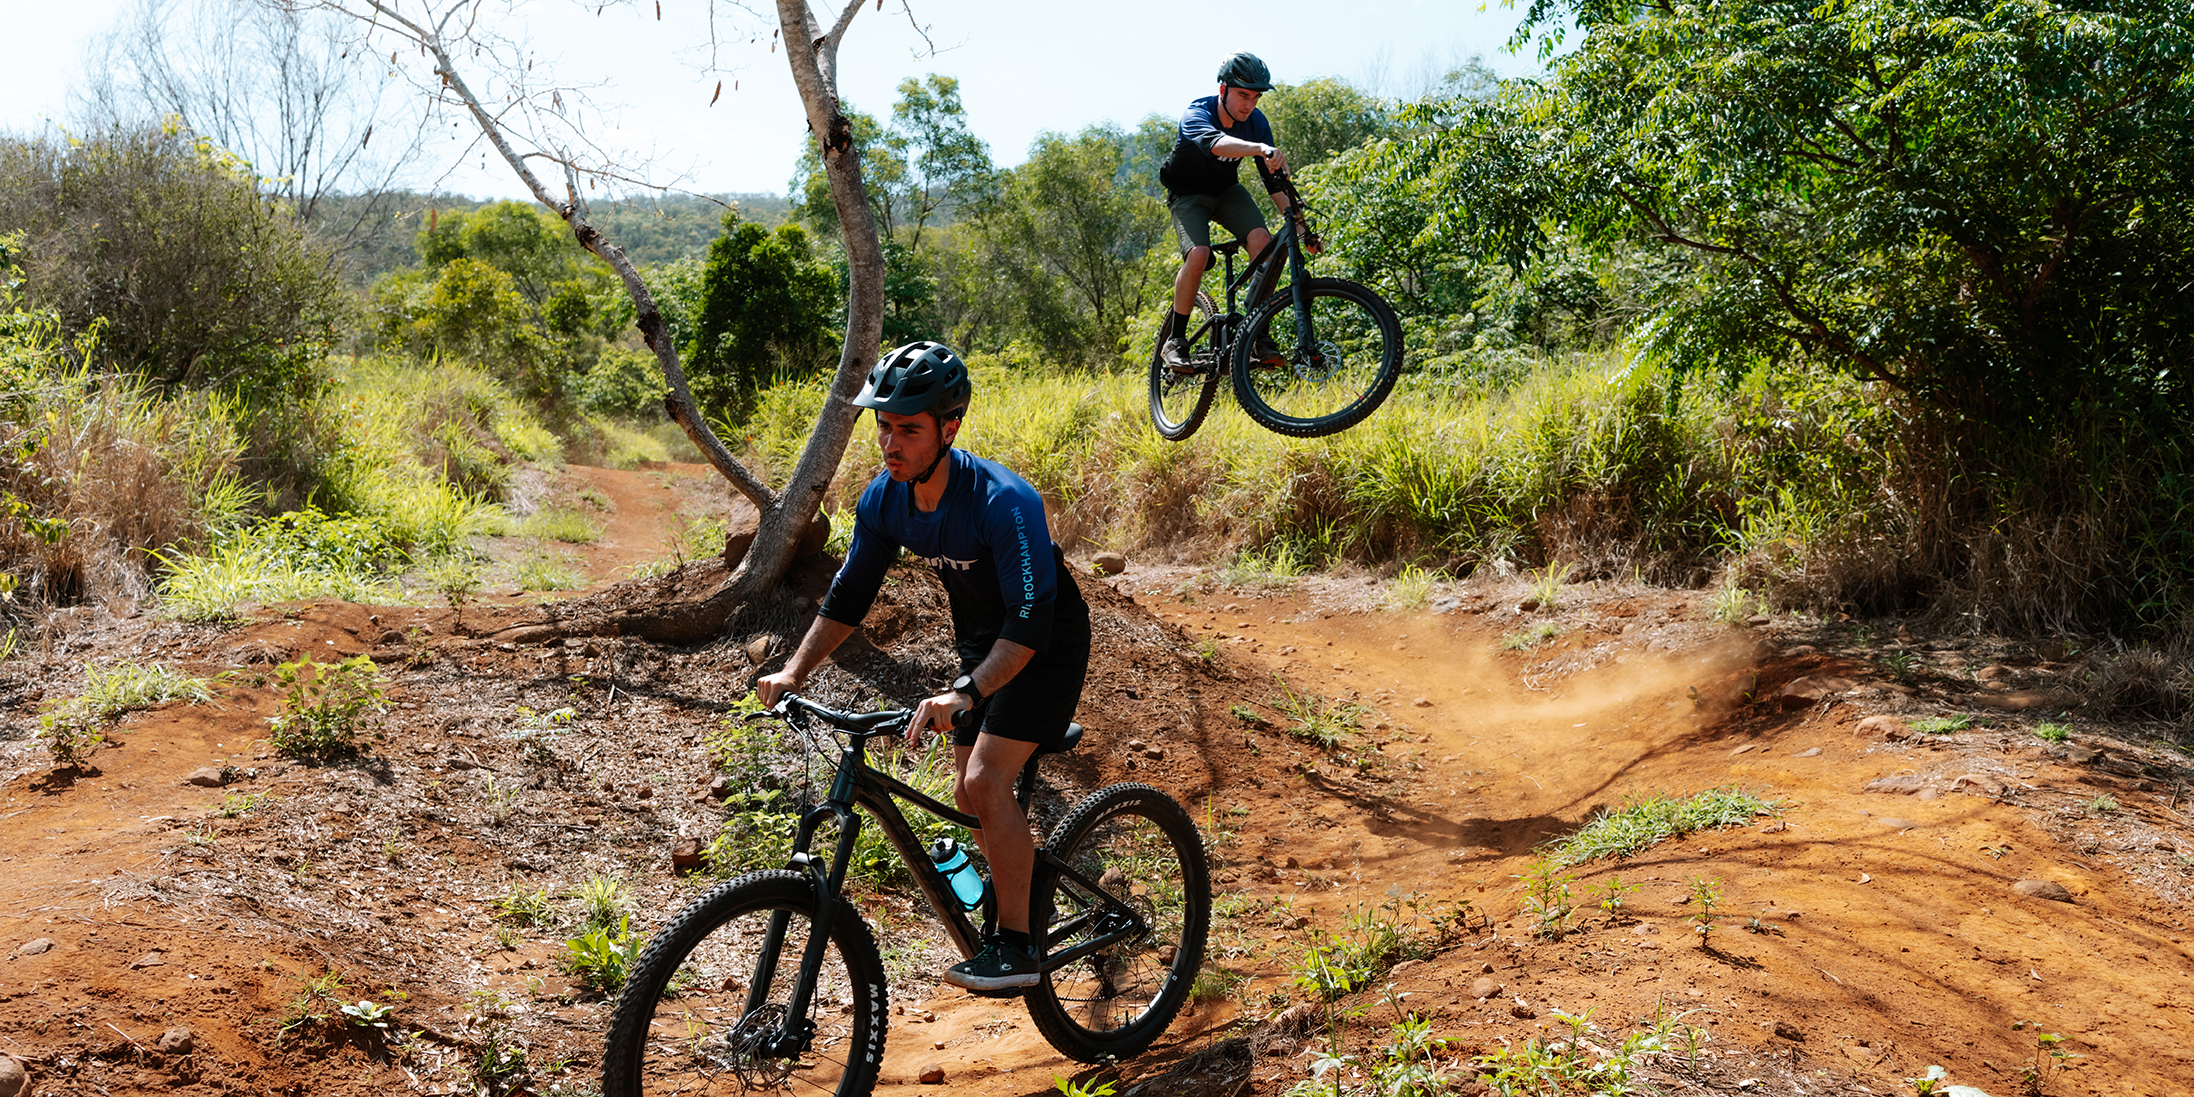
(327, 708)
(161, 239)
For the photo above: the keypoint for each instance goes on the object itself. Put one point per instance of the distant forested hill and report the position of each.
(651, 230)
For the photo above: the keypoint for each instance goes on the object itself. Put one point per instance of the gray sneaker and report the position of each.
(1175, 353)
(998, 967)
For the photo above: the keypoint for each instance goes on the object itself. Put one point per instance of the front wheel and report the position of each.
(1321, 369)
(706, 1008)
(1144, 882)
(1179, 401)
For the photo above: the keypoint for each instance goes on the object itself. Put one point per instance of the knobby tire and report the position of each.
(1179, 402)
(1141, 847)
(678, 1027)
(1351, 364)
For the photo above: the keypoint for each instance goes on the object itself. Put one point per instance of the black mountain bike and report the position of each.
(1311, 358)
(772, 981)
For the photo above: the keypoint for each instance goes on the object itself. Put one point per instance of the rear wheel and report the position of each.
(702, 1010)
(1179, 400)
(1323, 378)
(1142, 853)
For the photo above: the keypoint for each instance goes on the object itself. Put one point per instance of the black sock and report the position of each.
(1179, 327)
(1016, 937)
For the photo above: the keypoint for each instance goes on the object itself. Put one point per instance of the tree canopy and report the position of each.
(1984, 205)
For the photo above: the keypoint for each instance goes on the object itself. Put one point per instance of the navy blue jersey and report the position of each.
(1191, 168)
(990, 546)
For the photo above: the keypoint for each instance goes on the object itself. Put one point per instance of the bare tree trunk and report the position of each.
(815, 73)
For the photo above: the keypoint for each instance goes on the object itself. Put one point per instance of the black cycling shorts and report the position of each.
(1039, 703)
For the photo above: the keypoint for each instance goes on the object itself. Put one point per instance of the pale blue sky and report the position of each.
(1024, 68)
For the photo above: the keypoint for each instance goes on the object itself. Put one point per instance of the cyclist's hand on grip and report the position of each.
(771, 688)
(941, 712)
(1275, 160)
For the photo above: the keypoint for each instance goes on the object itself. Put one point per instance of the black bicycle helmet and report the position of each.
(921, 376)
(1245, 70)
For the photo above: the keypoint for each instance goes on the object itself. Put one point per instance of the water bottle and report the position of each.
(967, 883)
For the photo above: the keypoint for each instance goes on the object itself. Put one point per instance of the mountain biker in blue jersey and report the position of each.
(1217, 132)
(1019, 623)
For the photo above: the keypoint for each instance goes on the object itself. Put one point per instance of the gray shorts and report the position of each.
(1194, 213)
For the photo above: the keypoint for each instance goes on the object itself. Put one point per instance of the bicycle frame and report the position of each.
(1259, 279)
(860, 785)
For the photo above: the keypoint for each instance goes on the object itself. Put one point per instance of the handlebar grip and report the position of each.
(963, 719)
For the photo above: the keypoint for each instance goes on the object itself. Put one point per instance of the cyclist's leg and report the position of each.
(983, 787)
(1192, 215)
(1240, 214)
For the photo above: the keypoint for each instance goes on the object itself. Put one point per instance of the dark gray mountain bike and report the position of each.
(771, 982)
(1311, 358)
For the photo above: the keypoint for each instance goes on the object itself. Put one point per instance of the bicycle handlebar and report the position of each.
(861, 725)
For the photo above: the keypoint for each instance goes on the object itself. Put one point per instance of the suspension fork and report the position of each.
(792, 1038)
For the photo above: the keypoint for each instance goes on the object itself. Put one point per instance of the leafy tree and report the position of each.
(1984, 205)
(766, 311)
(1069, 233)
(523, 241)
(923, 166)
(167, 240)
(1323, 117)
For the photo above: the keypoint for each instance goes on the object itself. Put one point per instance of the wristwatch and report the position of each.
(966, 684)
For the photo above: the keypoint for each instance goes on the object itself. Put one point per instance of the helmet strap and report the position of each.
(926, 473)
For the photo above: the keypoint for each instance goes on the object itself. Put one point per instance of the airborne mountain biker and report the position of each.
(1216, 133)
(1019, 623)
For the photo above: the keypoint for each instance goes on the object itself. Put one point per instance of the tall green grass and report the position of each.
(1593, 462)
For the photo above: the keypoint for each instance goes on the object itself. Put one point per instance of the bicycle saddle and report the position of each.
(1067, 742)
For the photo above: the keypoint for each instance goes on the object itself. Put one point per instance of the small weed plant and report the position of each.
(602, 902)
(320, 999)
(2103, 805)
(1706, 895)
(367, 1015)
(541, 571)
(1093, 1087)
(1546, 587)
(1733, 604)
(1330, 724)
(456, 577)
(1375, 939)
(1411, 589)
(1525, 639)
(1656, 817)
(601, 956)
(2052, 732)
(1547, 899)
(1577, 1065)
(328, 709)
(1901, 665)
(1611, 893)
(75, 727)
(236, 805)
(1942, 725)
(1275, 566)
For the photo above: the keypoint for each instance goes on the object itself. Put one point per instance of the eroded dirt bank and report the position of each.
(1862, 934)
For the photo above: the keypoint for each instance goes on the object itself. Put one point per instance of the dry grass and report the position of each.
(125, 474)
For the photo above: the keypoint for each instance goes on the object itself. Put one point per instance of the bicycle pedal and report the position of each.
(1001, 992)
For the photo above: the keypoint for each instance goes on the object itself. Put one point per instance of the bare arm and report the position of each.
(823, 637)
(1234, 148)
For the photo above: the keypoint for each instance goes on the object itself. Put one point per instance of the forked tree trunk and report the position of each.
(783, 516)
